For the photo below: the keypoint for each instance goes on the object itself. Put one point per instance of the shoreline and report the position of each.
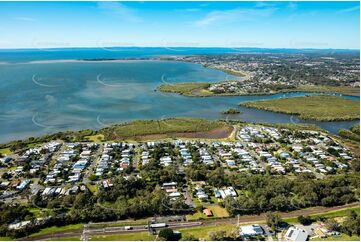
(80, 61)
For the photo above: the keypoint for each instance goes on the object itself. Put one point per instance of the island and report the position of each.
(231, 111)
(312, 107)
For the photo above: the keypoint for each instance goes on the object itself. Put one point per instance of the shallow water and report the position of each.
(44, 98)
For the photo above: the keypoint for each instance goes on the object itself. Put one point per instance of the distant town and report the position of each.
(263, 73)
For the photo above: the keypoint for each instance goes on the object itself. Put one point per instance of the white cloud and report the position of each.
(292, 5)
(234, 15)
(27, 19)
(192, 9)
(265, 4)
(347, 10)
(119, 10)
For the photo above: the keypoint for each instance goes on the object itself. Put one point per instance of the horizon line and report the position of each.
(165, 47)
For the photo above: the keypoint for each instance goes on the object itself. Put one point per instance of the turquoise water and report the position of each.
(40, 98)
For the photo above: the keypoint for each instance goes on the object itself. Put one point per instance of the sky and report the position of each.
(174, 24)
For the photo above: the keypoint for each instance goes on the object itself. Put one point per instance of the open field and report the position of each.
(56, 229)
(124, 237)
(95, 138)
(203, 231)
(5, 151)
(167, 128)
(313, 107)
(187, 89)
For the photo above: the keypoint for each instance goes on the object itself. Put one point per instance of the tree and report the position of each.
(273, 220)
(218, 235)
(351, 225)
(166, 234)
(304, 220)
(189, 237)
(332, 224)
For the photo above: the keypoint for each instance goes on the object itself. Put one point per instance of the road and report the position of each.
(95, 158)
(243, 219)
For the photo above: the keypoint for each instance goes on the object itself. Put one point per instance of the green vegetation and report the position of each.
(314, 107)
(187, 89)
(68, 239)
(200, 89)
(95, 138)
(345, 90)
(342, 237)
(145, 236)
(160, 127)
(290, 194)
(203, 232)
(327, 215)
(5, 151)
(231, 111)
(68, 136)
(352, 134)
(57, 229)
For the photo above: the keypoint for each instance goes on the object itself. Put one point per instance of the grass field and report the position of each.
(342, 237)
(166, 128)
(5, 151)
(125, 237)
(218, 212)
(314, 107)
(56, 229)
(187, 89)
(5, 238)
(202, 232)
(68, 239)
(92, 188)
(95, 138)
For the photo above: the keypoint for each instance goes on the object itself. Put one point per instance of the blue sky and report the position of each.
(196, 24)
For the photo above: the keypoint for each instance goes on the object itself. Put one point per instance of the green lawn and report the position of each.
(125, 237)
(67, 239)
(5, 151)
(342, 237)
(92, 188)
(202, 231)
(5, 239)
(95, 138)
(314, 107)
(56, 229)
